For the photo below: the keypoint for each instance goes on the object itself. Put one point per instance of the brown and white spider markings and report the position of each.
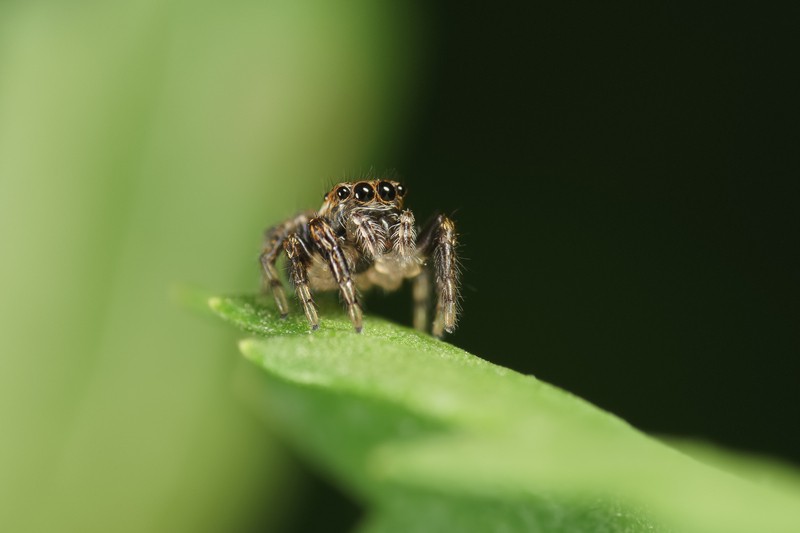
(362, 237)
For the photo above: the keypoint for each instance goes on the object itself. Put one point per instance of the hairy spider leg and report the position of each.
(404, 237)
(439, 240)
(299, 260)
(404, 244)
(370, 236)
(325, 239)
(273, 243)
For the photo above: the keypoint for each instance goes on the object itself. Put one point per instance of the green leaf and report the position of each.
(432, 438)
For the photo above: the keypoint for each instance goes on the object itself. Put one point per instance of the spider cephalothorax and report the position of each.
(362, 237)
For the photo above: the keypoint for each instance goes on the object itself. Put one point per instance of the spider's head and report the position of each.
(380, 194)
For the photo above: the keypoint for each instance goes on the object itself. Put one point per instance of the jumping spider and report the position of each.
(362, 237)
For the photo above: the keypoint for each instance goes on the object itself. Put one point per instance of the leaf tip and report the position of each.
(248, 347)
(215, 302)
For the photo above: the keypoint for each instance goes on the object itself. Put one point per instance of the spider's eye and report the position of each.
(386, 191)
(342, 193)
(363, 192)
(401, 190)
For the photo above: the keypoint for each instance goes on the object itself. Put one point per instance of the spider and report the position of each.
(362, 237)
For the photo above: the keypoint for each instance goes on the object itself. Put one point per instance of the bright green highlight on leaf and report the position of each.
(432, 438)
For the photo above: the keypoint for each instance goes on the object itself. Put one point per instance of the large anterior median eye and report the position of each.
(363, 192)
(386, 191)
(342, 193)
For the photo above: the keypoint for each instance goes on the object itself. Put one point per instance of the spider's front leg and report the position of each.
(404, 244)
(299, 260)
(327, 243)
(438, 241)
(368, 234)
(404, 238)
(274, 240)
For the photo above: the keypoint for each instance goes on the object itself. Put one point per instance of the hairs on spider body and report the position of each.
(363, 237)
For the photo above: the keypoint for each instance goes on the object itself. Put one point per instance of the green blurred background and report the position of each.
(625, 180)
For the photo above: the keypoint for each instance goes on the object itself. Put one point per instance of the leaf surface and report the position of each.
(432, 438)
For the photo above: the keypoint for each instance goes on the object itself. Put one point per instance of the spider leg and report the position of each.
(404, 242)
(299, 260)
(326, 241)
(369, 235)
(404, 237)
(439, 240)
(422, 298)
(273, 244)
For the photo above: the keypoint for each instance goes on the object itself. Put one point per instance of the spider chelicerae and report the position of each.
(362, 237)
